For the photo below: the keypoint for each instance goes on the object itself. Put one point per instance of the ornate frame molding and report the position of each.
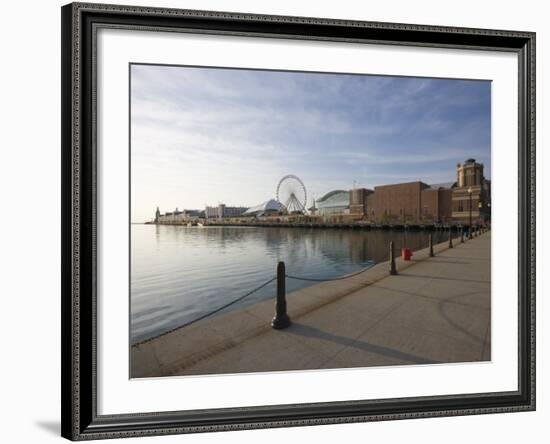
(80, 21)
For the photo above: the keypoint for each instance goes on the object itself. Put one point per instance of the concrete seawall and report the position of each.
(435, 310)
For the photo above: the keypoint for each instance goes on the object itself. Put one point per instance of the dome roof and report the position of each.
(336, 198)
(268, 205)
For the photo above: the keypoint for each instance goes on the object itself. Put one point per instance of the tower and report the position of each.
(157, 216)
(469, 174)
(471, 197)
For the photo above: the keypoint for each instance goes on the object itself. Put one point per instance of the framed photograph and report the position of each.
(280, 221)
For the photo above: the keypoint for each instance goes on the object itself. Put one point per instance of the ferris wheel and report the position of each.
(291, 192)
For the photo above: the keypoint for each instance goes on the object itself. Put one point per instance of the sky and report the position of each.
(204, 136)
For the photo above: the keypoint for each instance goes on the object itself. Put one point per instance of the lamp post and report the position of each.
(479, 207)
(470, 225)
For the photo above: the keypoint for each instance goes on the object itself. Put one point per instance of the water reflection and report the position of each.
(179, 273)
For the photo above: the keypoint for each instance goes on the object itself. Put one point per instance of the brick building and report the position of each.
(358, 202)
(418, 202)
(397, 203)
(471, 194)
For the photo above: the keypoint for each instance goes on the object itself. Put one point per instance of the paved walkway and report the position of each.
(436, 310)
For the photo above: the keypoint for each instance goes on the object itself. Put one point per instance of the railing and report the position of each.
(338, 278)
(281, 319)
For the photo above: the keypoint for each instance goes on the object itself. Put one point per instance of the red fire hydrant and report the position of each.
(406, 254)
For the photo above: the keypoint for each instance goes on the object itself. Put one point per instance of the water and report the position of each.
(179, 273)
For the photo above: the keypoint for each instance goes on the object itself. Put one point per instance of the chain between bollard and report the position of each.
(281, 319)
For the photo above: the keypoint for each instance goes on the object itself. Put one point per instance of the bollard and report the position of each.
(393, 270)
(281, 319)
(431, 245)
(461, 235)
(450, 238)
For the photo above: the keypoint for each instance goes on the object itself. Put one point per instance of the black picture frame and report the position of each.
(79, 171)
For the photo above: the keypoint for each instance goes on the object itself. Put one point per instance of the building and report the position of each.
(411, 203)
(420, 203)
(176, 216)
(358, 202)
(435, 202)
(333, 203)
(225, 211)
(270, 207)
(191, 215)
(465, 201)
(173, 217)
(211, 212)
(471, 197)
(397, 203)
(222, 211)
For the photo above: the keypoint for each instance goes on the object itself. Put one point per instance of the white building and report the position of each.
(269, 207)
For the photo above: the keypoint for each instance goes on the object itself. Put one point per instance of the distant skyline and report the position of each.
(204, 136)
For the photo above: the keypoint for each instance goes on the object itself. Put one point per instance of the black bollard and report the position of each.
(393, 270)
(450, 238)
(281, 319)
(431, 245)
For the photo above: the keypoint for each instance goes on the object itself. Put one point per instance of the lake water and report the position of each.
(179, 273)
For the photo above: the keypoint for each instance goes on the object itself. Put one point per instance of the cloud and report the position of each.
(443, 154)
(202, 135)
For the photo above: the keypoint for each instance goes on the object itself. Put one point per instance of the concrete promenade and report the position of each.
(436, 310)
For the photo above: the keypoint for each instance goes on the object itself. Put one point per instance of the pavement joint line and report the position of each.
(393, 307)
(348, 340)
(436, 299)
(445, 278)
(429, 331)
